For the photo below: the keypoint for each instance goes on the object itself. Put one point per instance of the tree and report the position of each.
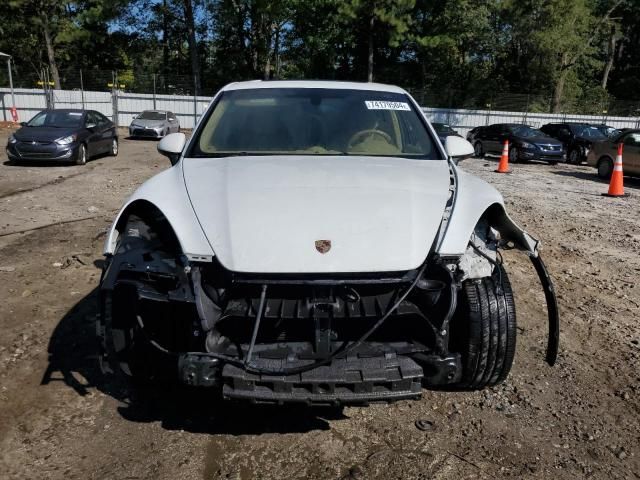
(391, 16)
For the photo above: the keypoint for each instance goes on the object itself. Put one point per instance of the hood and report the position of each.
(43, 134)
(264, 214)
(148, 123)
(540, 140)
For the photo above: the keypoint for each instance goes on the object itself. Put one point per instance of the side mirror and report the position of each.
(23, 124)
(172, 145)
(458, 148)
(91, 126)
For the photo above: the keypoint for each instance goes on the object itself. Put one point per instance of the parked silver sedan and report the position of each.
(154, 124)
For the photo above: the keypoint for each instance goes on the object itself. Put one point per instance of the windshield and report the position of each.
(152, 116)
(56, 118)
(312, 121)
(588, 131)
(527, 132)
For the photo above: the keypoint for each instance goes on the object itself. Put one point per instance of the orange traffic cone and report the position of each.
(616, 186)
(503, 166)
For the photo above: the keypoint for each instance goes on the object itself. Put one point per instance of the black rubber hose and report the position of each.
(295, 370)
(553, 340)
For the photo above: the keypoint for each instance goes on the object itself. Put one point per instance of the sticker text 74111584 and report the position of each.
(384, 105)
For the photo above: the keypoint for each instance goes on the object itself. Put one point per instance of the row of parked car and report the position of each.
(76, 135)
(556, 142)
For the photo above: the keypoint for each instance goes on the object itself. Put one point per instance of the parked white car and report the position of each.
(314, 242)
(154, 124)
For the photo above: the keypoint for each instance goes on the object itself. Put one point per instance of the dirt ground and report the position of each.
(61, 419)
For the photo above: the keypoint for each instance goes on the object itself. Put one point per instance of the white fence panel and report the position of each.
(28, 102)
(186, 108)
(189, 109)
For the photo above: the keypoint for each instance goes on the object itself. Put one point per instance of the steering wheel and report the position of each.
(363, 133)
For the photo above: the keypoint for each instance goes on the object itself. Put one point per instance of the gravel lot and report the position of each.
(60, 419)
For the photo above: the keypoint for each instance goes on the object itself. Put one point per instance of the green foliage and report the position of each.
(449, 52)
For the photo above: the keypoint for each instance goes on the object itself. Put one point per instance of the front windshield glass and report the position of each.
(527, 132)
(312, 121)
(588, 131)
(152, 116)
(56, 118)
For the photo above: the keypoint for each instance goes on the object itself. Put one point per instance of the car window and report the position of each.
(171, 116)
(632, 139)
(526, 131)
(564, 132)
(152, 115)
(93, 118)
(314, 121)
(102, 120)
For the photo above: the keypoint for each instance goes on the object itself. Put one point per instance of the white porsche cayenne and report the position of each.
(314, 242)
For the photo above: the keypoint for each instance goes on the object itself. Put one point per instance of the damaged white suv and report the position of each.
(314, 242)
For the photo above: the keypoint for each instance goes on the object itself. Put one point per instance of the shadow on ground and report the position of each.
(631, 182)
(73, 359)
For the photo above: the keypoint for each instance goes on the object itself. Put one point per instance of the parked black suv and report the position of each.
(525, 143)
(577, 138)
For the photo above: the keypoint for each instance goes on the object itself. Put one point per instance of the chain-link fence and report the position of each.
(594, 102)
(597, 104)
(104, 80)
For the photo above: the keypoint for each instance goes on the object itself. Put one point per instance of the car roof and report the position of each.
(156, 111)
(328, 84)
(66, 110)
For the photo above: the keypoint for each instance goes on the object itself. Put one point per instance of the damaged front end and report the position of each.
(323, 339)
(315, 338)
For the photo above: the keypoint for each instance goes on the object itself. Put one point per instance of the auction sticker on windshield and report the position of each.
(383, 105)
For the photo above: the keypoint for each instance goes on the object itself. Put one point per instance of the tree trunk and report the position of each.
(611, 57)
(558, 90)
(193, 46)
(165, 39)
(50, 52)
(276, 52)
(556, 106)
(372, 21)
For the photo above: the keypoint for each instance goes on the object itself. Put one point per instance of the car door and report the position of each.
(563, 133)
(174, 126)
(94, 138)
(107, 131)
(503, 134)
(485, 135)
(631, 153)
(492, 144)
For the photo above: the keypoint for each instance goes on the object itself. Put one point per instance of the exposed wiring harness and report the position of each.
(345, 350)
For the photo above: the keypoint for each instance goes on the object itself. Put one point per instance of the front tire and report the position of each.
(513, 155)
(605, 168)
(478, 151)
(484, 330)
(574, 157)
(114, 147)
(81, 157)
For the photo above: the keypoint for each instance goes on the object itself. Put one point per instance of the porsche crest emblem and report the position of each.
(323, 246)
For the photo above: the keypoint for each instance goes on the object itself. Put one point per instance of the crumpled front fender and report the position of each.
(167, 193)
(474, 199)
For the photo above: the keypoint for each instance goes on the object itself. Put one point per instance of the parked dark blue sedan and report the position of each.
(63, 135)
